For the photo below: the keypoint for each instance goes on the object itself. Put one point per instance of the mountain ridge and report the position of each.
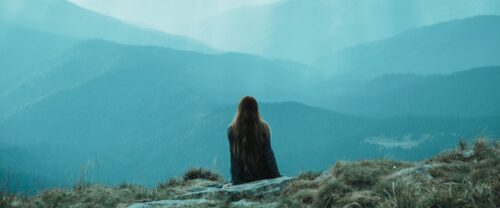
(460, 94)
(439, 48)
(43, 15)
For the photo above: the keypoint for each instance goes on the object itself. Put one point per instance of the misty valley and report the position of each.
(122, 103)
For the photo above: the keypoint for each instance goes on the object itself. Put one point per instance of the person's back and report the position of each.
(252, 157)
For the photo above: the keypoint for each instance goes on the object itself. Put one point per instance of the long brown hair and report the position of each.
(250, 131)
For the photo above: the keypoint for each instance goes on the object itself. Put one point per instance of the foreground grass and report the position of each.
(96, 195)
(463, 177)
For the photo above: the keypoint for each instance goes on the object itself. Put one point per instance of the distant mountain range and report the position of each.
(135, 132)
(442, 48)
(64, 62)
(25, 51)
(217, 78)
(148, 110)
(64, 18)
(467, 93)
(312, 31)
(128, 108)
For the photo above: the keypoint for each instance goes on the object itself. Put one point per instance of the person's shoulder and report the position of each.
(267, 129)
(230, 131)
(266, 125)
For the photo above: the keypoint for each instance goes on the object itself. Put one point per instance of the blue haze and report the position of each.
(127, 103)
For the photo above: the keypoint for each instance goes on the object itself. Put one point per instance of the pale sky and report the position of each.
(251, 33)
(166, 15)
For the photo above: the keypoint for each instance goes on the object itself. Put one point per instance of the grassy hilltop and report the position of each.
(468, 176)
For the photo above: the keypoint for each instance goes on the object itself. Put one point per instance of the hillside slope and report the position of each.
(121, 123)
(45, 15)
(462, 177)
(208, 75)
(24, 51)
(441, 48)
(306, 31)
(468, 93)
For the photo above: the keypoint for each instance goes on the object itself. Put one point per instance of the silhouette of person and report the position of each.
(252, 157)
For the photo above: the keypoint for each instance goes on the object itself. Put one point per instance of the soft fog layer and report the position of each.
(291, 29)
(140, 91)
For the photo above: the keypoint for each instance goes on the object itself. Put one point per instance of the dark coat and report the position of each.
(267, 168)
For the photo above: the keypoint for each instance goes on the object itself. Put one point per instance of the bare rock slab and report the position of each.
(243, 195)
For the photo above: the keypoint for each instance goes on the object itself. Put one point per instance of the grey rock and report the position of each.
(244, 195)
(255, 189)
(174, 203)
(246, 203)
(467, 153)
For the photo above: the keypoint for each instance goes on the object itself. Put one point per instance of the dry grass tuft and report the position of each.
(466, 194)
(361, 199)
(455, 172)
(92, 196)
(171, 182)
(7, 200)
(401, 193)
(482, 149)
(309, 175)
(298, 185)
(364, 174)
(462, 145)
(300, 191)
(331, 193)
(448, 156)
(201, 173)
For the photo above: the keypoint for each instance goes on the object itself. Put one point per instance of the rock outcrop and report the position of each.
(204, 194)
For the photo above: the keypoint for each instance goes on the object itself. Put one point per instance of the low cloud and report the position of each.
(405, 142)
